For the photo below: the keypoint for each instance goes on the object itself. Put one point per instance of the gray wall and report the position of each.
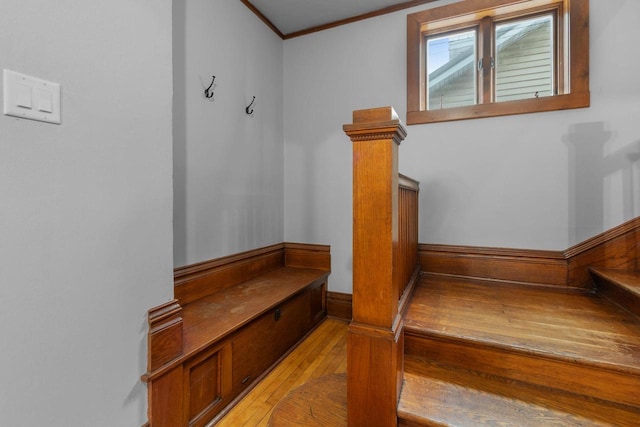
(538, 181)
(85, 223)
(228, 166)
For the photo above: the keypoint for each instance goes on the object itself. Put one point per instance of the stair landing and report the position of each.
(492, 354)
(568, 325)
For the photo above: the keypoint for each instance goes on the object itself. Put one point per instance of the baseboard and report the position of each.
(339, 305)
(617, 248)
(531, 267)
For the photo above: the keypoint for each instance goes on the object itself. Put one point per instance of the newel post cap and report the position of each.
(376, 123)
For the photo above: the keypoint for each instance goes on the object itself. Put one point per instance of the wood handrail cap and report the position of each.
(375, 115)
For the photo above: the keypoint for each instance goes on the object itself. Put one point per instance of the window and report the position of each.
(484, 58)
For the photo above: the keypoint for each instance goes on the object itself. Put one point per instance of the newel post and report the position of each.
(375, 340)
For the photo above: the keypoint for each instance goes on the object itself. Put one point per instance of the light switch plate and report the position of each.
(31, 98)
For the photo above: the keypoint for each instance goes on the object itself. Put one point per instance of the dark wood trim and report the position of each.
(497, 109)
(339, 305)
(403, 303)
(196, 281)
(165, 337)
(617, 248)
(532, 267)
(307, 256)
(602, 238)
(181, 274)
(361, 17)
(232, 318)
(199, 280)
(263, 18)
(491, 251)
(165, 410)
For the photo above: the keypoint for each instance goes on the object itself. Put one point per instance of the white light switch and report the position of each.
(22, 93)
(45, 100)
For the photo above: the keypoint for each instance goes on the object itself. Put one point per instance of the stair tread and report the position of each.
(434, 394)
(576, 327)
(630, 280)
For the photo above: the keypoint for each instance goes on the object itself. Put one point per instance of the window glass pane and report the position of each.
(451, 70)
(524, 58)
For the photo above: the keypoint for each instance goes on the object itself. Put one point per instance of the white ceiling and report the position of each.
(294, 15)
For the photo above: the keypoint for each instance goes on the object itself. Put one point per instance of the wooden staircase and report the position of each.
(481, 353)
(487, 336)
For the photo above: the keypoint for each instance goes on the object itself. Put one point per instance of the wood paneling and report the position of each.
(259, 345)
(307, 256)
(206, 386)
(374, 375)
(197, 281)
(617, 248)
(216, 316)
(542, 268)
(165, 410)
(240, 314)
(165, 339)
(407, 262)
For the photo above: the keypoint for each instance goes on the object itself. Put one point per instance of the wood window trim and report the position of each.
(578, 67)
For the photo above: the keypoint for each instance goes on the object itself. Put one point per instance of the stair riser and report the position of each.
(617, 387)
(620, 296)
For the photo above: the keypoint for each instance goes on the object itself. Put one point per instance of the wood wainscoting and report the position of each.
(616, 248)
(530, 267)
(232, 320)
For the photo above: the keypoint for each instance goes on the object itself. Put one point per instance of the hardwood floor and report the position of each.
(545, 349)
(324, 352)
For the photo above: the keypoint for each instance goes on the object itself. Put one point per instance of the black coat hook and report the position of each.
(208, 93)
(249, 110)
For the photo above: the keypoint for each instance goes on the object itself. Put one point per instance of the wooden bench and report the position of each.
(232, 320)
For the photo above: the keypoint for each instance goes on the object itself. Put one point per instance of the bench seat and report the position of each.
(212, 318)
(232, 320)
